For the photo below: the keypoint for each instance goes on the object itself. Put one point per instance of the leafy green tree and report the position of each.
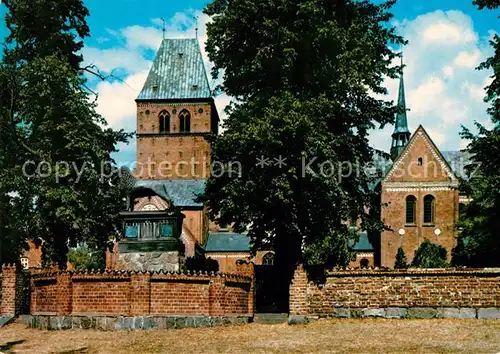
(430, 255)
(401, 261)
(69, 188)
(479, 244)
(85, 258)
(304, 74)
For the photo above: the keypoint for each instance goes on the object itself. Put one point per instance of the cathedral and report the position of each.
(165, 223)
(176, 116)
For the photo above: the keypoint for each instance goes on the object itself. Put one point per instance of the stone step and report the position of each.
(270, 318)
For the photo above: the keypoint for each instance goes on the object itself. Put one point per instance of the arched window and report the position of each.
(364, 263)
(164, 122)
(411, 209)
(429, 209)
(185, 121)
(268, 259)
(420, 161)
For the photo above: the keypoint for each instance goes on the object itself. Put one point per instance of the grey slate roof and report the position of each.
(177, 73)
(182, 193)
(363, 243)
(458, 161)
(227, 242)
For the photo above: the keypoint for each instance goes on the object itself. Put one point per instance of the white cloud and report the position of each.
(448, 71)
(445, 28)
(443, 89)
(108, 60)
(422, 98)
(117, 100)
(468, 60)
(449, 34)
(437, 136)
(138, 37)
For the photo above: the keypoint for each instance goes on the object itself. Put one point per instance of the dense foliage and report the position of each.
(430, 255)
(56, 163)
(479, 241)
(85, 258)
(303, 73)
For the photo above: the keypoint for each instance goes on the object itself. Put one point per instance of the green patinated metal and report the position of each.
(401, 134)
(363, 243)
(227, 242)
(178, 73)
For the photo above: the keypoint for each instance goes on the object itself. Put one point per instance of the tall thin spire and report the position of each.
(164, 29)
(401, 134)
(196, 29)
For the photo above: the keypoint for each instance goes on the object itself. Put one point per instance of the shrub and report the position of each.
(430, 255)
(401, 261)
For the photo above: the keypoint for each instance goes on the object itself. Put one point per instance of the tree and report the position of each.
(479, 241)
(67, 182)
(430, 255)
(401, 261)
(304, 74)
(84, 258)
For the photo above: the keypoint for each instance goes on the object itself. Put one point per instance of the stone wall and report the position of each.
(152, 261)
(125, 293)
(127, 323)
(415, 293)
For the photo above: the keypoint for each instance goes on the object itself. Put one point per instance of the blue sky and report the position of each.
(448, 39)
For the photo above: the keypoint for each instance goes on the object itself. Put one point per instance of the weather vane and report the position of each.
(164, 27)
(196, 28)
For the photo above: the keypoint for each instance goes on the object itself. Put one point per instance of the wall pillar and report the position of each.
(298, 292)
(9, 281)
(64, 296)
(140, 294)
(216, 297)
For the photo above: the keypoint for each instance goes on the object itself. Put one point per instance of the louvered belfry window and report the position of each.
(164, 122)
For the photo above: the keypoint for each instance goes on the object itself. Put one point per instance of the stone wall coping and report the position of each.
(413, 272)
(155, 275)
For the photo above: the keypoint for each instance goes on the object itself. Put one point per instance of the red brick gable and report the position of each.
(420, 161)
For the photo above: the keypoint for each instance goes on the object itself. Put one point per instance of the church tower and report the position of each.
(401, 134)
(175, 115)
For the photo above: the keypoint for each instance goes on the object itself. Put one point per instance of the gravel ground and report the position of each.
(324, 336)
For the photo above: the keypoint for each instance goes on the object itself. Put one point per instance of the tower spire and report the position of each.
(196, 29)
(401, 134)
(164, 29)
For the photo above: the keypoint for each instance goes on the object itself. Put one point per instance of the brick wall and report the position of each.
(138, 294)
(170, 154)
(412, 288)
(9, 287)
